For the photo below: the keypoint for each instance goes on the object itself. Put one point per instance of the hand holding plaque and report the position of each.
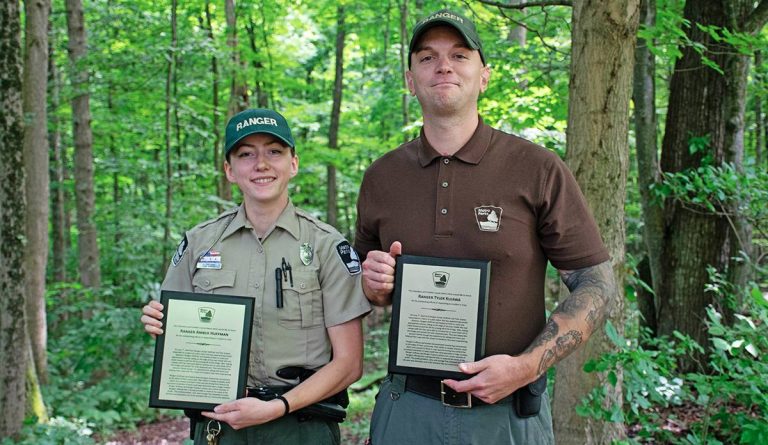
(201, 359)
(439, 314)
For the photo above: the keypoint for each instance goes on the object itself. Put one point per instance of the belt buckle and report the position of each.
(442, 397)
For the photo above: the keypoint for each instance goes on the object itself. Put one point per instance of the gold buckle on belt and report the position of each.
(466, 394)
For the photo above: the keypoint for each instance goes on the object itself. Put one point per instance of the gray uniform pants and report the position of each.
(406, 418)
(284, 431)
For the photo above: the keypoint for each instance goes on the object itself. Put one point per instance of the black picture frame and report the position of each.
(429, 299)
(242, 312)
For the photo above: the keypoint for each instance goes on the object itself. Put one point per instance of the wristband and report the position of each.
(285, 402)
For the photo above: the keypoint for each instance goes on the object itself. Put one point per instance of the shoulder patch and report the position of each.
(180, 251)
(348, 257)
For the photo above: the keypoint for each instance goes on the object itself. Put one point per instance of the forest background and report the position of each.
(113, 116)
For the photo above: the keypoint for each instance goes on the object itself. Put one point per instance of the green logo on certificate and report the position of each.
(440, 278)
(206, 314)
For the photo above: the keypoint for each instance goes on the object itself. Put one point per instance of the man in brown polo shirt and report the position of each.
(465, 190)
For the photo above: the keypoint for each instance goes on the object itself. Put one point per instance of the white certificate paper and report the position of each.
(201, 359)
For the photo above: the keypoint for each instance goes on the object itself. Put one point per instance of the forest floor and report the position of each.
(176, 432)
(167, 432)
(677, 422)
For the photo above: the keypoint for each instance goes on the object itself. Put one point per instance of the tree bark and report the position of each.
(333, 131)
(517, 34)
(603, 41)
(238, 92)
(168, 109)
(760, 133)
(262, 98)
(217, 164)
(88, 255)
(646, 129)
(404, 65)
(59, 218)
(37, 177)
(707, 104)
(13, 331)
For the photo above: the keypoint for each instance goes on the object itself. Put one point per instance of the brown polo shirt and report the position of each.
(499, 198)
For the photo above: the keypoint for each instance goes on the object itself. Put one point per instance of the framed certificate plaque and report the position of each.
(439, 315)
(201, 359)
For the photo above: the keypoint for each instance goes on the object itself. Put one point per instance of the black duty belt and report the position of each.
(434, 388)
(331, 409)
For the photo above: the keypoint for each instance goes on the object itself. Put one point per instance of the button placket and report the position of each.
(442, 206)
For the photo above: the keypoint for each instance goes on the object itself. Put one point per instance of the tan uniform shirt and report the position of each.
(326, 291)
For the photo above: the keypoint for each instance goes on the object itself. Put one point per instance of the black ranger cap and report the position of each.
(462, 24)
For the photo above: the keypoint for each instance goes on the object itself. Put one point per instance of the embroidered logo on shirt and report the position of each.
(348, 257)
(180, 251)
(488, 218)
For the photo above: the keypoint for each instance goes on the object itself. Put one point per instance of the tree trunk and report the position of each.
(13, 330)
(238, 92)
(262, 99)
(760, 133)
(517, 34)
(333, 131)
(703, 104)
(37, 178)
(217, 164)
(646, 129)
(88, 255)
(60, 229)
(35, 405)
(603, 40)
(168, 161)
(404, 64)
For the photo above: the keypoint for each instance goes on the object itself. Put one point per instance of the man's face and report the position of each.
(446, 75)
(262, 167)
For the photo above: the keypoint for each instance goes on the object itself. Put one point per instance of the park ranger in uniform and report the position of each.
(307, 345)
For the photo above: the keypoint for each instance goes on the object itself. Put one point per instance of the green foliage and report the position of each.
(99, 362)
(729, 404)
(58, 431)
(715, 189)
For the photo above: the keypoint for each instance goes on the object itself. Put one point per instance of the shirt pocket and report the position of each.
(302, 301)
(210, 281)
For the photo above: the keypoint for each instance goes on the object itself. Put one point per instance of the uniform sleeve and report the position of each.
(179, 275)
(366, 232)
(567, 229)
(343, 297)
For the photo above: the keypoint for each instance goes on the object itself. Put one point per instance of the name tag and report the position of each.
(211, 260)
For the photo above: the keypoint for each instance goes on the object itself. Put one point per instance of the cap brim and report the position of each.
(237, 141)
(438, 22)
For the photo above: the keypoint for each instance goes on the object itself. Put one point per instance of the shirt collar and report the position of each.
(472, 152)
(287, 221)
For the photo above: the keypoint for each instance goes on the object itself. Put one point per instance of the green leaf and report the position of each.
(721, 344)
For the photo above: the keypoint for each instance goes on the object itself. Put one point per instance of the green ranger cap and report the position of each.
(447, 17)
(257, 120)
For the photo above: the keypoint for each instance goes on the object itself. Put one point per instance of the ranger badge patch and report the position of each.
(348, 257)
(180, 251)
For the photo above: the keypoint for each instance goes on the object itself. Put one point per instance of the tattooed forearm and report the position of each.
(549, 332)
(592, 289)
(563, 346)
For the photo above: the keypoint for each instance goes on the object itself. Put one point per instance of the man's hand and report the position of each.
(152, 314)
(495, 377)
(247, 412)
(379, 274)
